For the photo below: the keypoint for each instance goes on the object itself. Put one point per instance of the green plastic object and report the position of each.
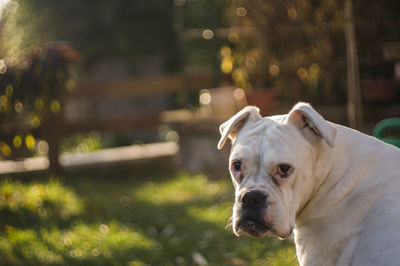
(383, 126)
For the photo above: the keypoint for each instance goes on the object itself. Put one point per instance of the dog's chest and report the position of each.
(317, 245)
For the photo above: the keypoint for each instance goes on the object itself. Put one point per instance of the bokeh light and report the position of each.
(3, 67)
(35, 121)
(241, 11)
(173, 136)
(39, 104)
(274, 70)
(239, 94)
(208, 34)
(17, 141)
(70, 85)
(43, 147)
(19, 107)
(302, 73)
(3, 101)
(226, 64)
(241, 77)
(9, 90)
(55, 106)
(5, 149)
(225, 51)
(205, 97)
(30, 142)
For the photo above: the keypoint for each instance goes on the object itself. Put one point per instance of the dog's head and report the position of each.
(272, 163)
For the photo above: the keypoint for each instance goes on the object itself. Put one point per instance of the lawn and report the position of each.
(167, 218)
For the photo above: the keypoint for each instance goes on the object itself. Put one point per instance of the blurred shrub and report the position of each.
(32, 90)
(82, 143)
(298, 46)
(36, 203)
(290, 45)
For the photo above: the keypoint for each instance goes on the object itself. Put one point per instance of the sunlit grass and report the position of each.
(215, 214)
(80, 243)
(106, 241)
(170, 219)
(182, 189)
(23, 203)
(282, 257)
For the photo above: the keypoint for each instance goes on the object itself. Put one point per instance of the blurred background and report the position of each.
(109, 115)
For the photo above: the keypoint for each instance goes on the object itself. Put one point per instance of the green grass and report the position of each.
(167, 219)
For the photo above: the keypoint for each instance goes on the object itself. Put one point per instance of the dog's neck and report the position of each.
(325, 162)
(327, 210)
(336, 174)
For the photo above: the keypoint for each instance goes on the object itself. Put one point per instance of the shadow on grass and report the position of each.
(166, 219)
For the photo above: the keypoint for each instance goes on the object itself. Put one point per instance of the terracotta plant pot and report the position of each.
(377, 89)
(264, 99)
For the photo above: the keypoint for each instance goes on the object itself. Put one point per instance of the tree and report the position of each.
(99, 29)
(301, 44)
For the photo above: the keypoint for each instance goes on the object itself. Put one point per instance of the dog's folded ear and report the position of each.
(312, 124)
(231, 127)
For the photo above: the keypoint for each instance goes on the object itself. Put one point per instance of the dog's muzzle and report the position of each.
(250, 212)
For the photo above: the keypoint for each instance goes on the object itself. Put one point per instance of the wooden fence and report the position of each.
(92, 106)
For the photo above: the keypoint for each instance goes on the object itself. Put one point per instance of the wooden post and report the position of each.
(52, 132)
(215, 44)
(54, 164)
(354, 109)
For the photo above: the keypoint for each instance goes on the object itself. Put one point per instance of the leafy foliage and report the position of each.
(291, 45)
(298, 46)
(32, 90)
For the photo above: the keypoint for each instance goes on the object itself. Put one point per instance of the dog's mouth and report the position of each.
(258, 229)
(252, 227)
(256, 223)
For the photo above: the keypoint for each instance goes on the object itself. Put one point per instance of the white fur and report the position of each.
(343, 197)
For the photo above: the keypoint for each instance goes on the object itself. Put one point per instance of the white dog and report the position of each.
(337, 189)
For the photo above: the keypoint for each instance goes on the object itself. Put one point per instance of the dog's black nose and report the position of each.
(253, 199)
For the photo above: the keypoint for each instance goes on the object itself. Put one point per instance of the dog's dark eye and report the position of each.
(284, 170)
(237, 166)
